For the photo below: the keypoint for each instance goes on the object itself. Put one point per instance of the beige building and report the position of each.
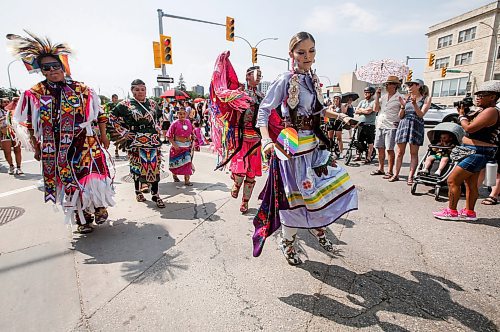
(467, 43)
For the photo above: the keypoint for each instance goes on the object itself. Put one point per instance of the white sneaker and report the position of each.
(11, 170)
(438, 173)
(19, 171)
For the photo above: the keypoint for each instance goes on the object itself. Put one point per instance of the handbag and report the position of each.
(460, 152)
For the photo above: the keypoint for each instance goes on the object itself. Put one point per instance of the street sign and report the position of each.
(163, 79)
(454, 71)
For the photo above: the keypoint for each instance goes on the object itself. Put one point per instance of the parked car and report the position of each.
(439, 113)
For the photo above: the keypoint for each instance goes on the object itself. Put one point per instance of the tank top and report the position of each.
(410, 110)
(487, 134)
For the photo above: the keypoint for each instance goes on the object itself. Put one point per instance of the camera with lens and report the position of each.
(467, 102)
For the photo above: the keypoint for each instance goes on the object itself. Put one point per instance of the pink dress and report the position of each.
(180, 161)
(248, 161)
(198, 139)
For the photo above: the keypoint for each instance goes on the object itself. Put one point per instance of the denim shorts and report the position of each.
(477, 161)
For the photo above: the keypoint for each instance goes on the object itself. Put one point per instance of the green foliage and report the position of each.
(192, 94)
(181, 85)
(104, 99)
(9, 92)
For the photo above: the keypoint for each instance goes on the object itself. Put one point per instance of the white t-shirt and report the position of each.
(388, 116)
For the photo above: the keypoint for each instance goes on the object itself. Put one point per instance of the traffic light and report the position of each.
(229, 28)
(410, 74)
(166, 49)
(443, 71)
(254, 54)
(157, 54)
(431, 59)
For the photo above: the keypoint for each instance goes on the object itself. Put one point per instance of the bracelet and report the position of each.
(265, 141)
(462, 117)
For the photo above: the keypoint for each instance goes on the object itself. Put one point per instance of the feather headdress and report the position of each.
(31, 48)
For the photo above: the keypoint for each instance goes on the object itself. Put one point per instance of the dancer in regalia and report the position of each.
(305, 187)
(180, 134)
(246, 164)
(58, 114)
(138, 121)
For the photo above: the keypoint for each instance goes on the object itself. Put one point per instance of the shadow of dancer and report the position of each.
(372, 292)
(138, 246)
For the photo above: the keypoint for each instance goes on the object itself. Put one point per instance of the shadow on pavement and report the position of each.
(373, 292)
(137, 245)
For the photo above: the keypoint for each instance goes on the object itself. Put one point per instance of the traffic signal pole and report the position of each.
(161, 14)
(273, 57)
(163, 67)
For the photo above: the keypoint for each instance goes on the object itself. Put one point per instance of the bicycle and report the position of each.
(356, 146)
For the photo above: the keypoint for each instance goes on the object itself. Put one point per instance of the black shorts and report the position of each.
(165, 125)
(367, 134)
(335, 125)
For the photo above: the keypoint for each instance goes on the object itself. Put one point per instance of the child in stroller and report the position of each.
(439, 152)
(443, 138)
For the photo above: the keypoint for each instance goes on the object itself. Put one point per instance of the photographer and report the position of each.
(482, 129)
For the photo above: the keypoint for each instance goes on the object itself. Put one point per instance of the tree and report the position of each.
(192, 94)
(9, 92)
(181, 85)
(104, 99)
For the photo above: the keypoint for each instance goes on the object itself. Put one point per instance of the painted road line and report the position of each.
(27, 188)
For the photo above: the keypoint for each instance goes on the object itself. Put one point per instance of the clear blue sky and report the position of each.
(112, 40)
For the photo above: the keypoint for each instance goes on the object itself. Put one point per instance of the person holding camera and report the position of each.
(482, 131)
(411, 127)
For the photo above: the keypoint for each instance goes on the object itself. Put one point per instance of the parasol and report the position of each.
(376, 72)
(348, 95)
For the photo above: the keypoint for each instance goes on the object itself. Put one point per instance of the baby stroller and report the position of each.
(356, 146)
(431, 179)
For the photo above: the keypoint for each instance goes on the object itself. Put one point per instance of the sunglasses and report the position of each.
(51, 65)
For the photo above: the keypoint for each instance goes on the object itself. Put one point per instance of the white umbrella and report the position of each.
(376, 72)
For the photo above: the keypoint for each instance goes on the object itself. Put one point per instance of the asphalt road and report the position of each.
(189, 267)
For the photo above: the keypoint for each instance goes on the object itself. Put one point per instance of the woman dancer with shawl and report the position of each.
(58, 113)
(305, 188)
(233, 115)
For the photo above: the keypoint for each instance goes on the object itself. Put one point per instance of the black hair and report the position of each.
(136, 82)
(251, 69)
(196, 124)
(114, 95)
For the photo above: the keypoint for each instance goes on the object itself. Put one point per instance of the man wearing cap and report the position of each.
(366, 134)
(387, 107)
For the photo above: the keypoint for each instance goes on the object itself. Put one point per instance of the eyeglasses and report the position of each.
(410, 84)
(483, 94)
(51, 65)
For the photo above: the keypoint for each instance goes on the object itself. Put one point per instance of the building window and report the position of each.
(496, 76)
(466, 35)
(440, 63)
(445, 41)
(498, 53)
(463, 59)
(451, 87)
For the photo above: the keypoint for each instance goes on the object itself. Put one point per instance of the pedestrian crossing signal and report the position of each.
(166, 49)
(443, 71)
(229, 28)
(157, 54)
(254, 55)
(409, 76)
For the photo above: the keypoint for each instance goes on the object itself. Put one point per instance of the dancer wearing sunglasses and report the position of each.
(58, 114)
